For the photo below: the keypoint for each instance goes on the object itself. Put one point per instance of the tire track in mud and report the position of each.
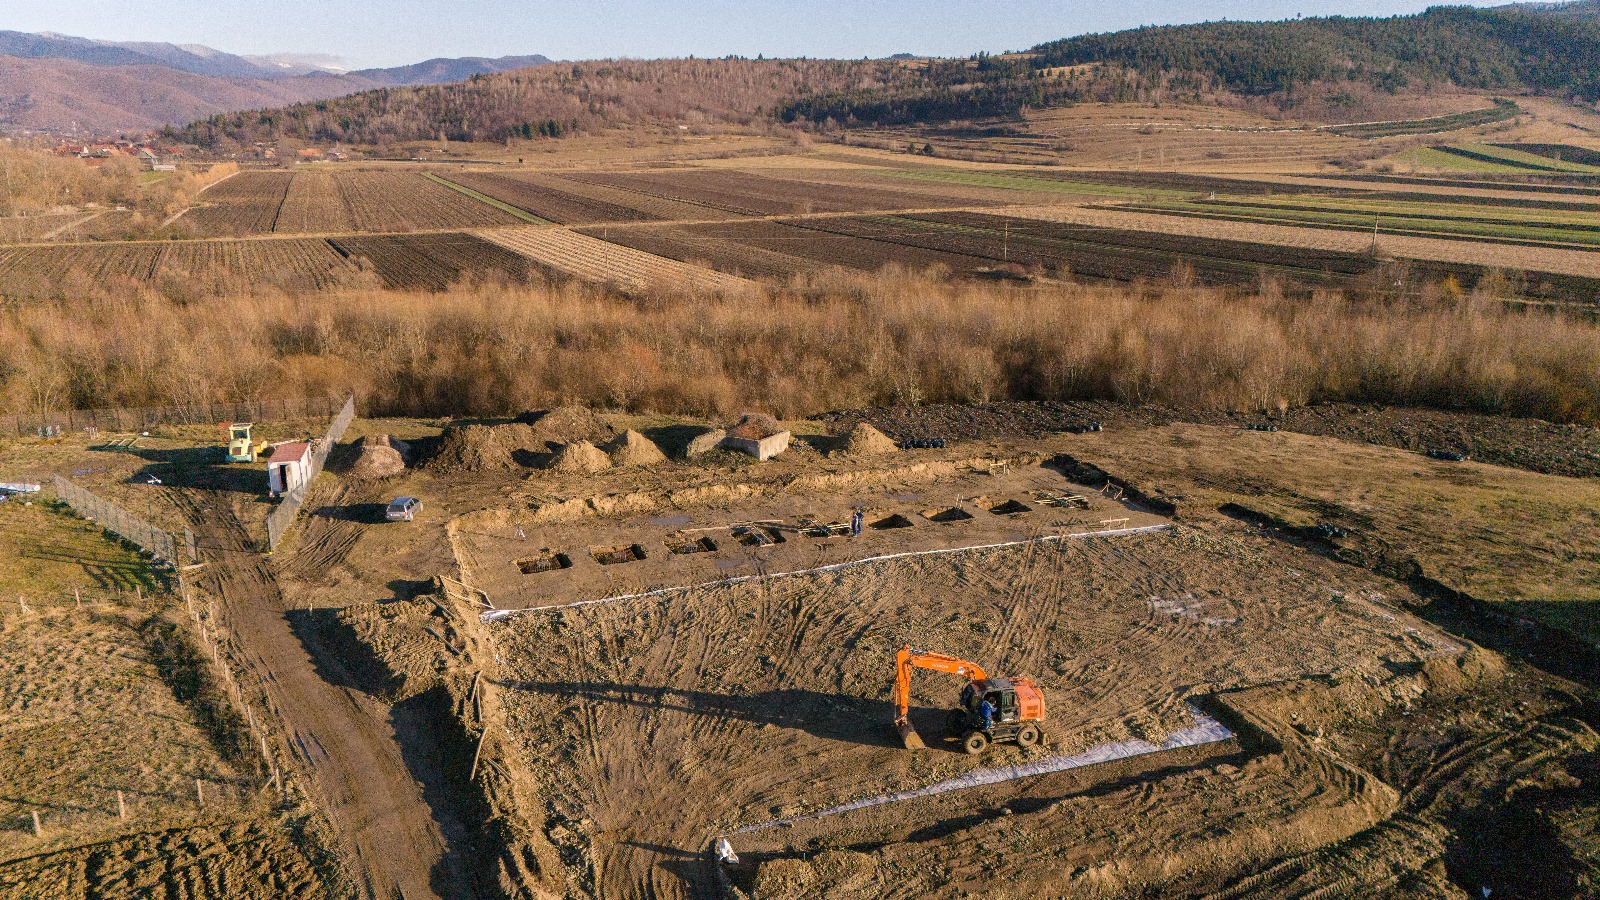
(391, 841)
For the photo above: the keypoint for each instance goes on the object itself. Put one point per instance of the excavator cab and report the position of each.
(1002, 697)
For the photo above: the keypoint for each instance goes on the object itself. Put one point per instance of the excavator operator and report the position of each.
(986, 709)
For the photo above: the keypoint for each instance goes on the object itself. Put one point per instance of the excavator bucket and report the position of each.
(908, 735)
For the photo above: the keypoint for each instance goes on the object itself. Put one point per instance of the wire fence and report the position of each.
(145, 418)
(112, 517)
(279, 520)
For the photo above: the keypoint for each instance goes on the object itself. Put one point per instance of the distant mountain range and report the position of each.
(57, 83)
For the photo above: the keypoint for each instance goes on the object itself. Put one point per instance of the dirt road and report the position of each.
(391, 841)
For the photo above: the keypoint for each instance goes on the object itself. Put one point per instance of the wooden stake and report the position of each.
(122, 808)
(477, 753)
(38, 830)
(77, 599)
(265, 756)
(277, 781)
(199, 792)
(138, 593)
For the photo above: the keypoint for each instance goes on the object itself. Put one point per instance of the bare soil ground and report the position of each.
(1383, 744)
(1570, 450)
(695, 714)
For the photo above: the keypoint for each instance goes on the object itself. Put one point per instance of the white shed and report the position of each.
(288, 468)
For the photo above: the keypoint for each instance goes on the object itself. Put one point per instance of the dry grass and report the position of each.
(98, 696)
(1504, 535)
(827, 341)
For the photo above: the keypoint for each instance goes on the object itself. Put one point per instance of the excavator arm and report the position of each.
(908, 659)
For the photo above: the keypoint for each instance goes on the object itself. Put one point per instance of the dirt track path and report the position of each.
(391, 842)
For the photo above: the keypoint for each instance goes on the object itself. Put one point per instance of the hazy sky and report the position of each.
(392, 32)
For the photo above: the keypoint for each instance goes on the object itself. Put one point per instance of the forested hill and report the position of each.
(553, 100)
(1548, 49)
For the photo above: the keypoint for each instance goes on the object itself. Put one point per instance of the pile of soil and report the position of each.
(566, 424)
(579, 457)
(634, 449)
(865, 440)
(755, 426)
(377, 457)
(705, 442)
(1538, 446)
(470, 448)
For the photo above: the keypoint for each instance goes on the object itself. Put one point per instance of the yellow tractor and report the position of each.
(240, 447)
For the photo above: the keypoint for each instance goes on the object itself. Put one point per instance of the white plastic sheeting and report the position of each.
(1205, 730)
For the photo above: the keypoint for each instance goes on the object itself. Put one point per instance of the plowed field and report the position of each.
(430, 262)
(584, 257)
(246, 203)
(31, 272)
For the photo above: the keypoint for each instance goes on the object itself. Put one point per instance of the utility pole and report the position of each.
(1375, 236)
(1005, 243)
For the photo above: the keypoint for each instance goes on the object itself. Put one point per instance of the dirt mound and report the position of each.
(472, 448)
(566, 424)
(755, 426)
(580, 457)
(827, 874)
(634, 449)
(377, 457)
(705, 442)
(865, 440)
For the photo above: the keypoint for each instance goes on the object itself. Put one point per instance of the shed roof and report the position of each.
(290, 452)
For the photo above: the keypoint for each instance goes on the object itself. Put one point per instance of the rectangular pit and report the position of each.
(1010, 508)
(614, 556)
(893, 521)
(947, 514)
(758, 536)
(682, 546)
(546, 561)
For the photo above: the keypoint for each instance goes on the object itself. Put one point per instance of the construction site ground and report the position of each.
(472, 717)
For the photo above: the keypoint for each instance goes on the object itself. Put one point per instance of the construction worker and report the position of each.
(986, 709)
(856, 519)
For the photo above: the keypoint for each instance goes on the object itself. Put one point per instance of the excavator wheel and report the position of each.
(1028, 736)
(975, 742)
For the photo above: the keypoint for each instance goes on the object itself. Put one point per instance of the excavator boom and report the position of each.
(908, 659)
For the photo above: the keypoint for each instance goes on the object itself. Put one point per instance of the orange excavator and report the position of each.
(1015, 706)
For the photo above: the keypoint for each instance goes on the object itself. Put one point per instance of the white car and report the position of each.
(403, 509)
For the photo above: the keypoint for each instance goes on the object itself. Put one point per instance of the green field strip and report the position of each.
(1388, 225)
(1532, 160)
(1438, 159)
(1499, 112)
(1448, 212)
(504, 207)
(1526, 162)
(1010, 182)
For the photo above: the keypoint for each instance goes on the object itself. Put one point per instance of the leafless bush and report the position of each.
(827, 340)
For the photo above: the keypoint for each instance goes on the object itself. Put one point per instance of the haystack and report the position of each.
(471, 448)
(579, 457)
(566, 424)
(865, 440)
(377, 457)
(634, 449)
